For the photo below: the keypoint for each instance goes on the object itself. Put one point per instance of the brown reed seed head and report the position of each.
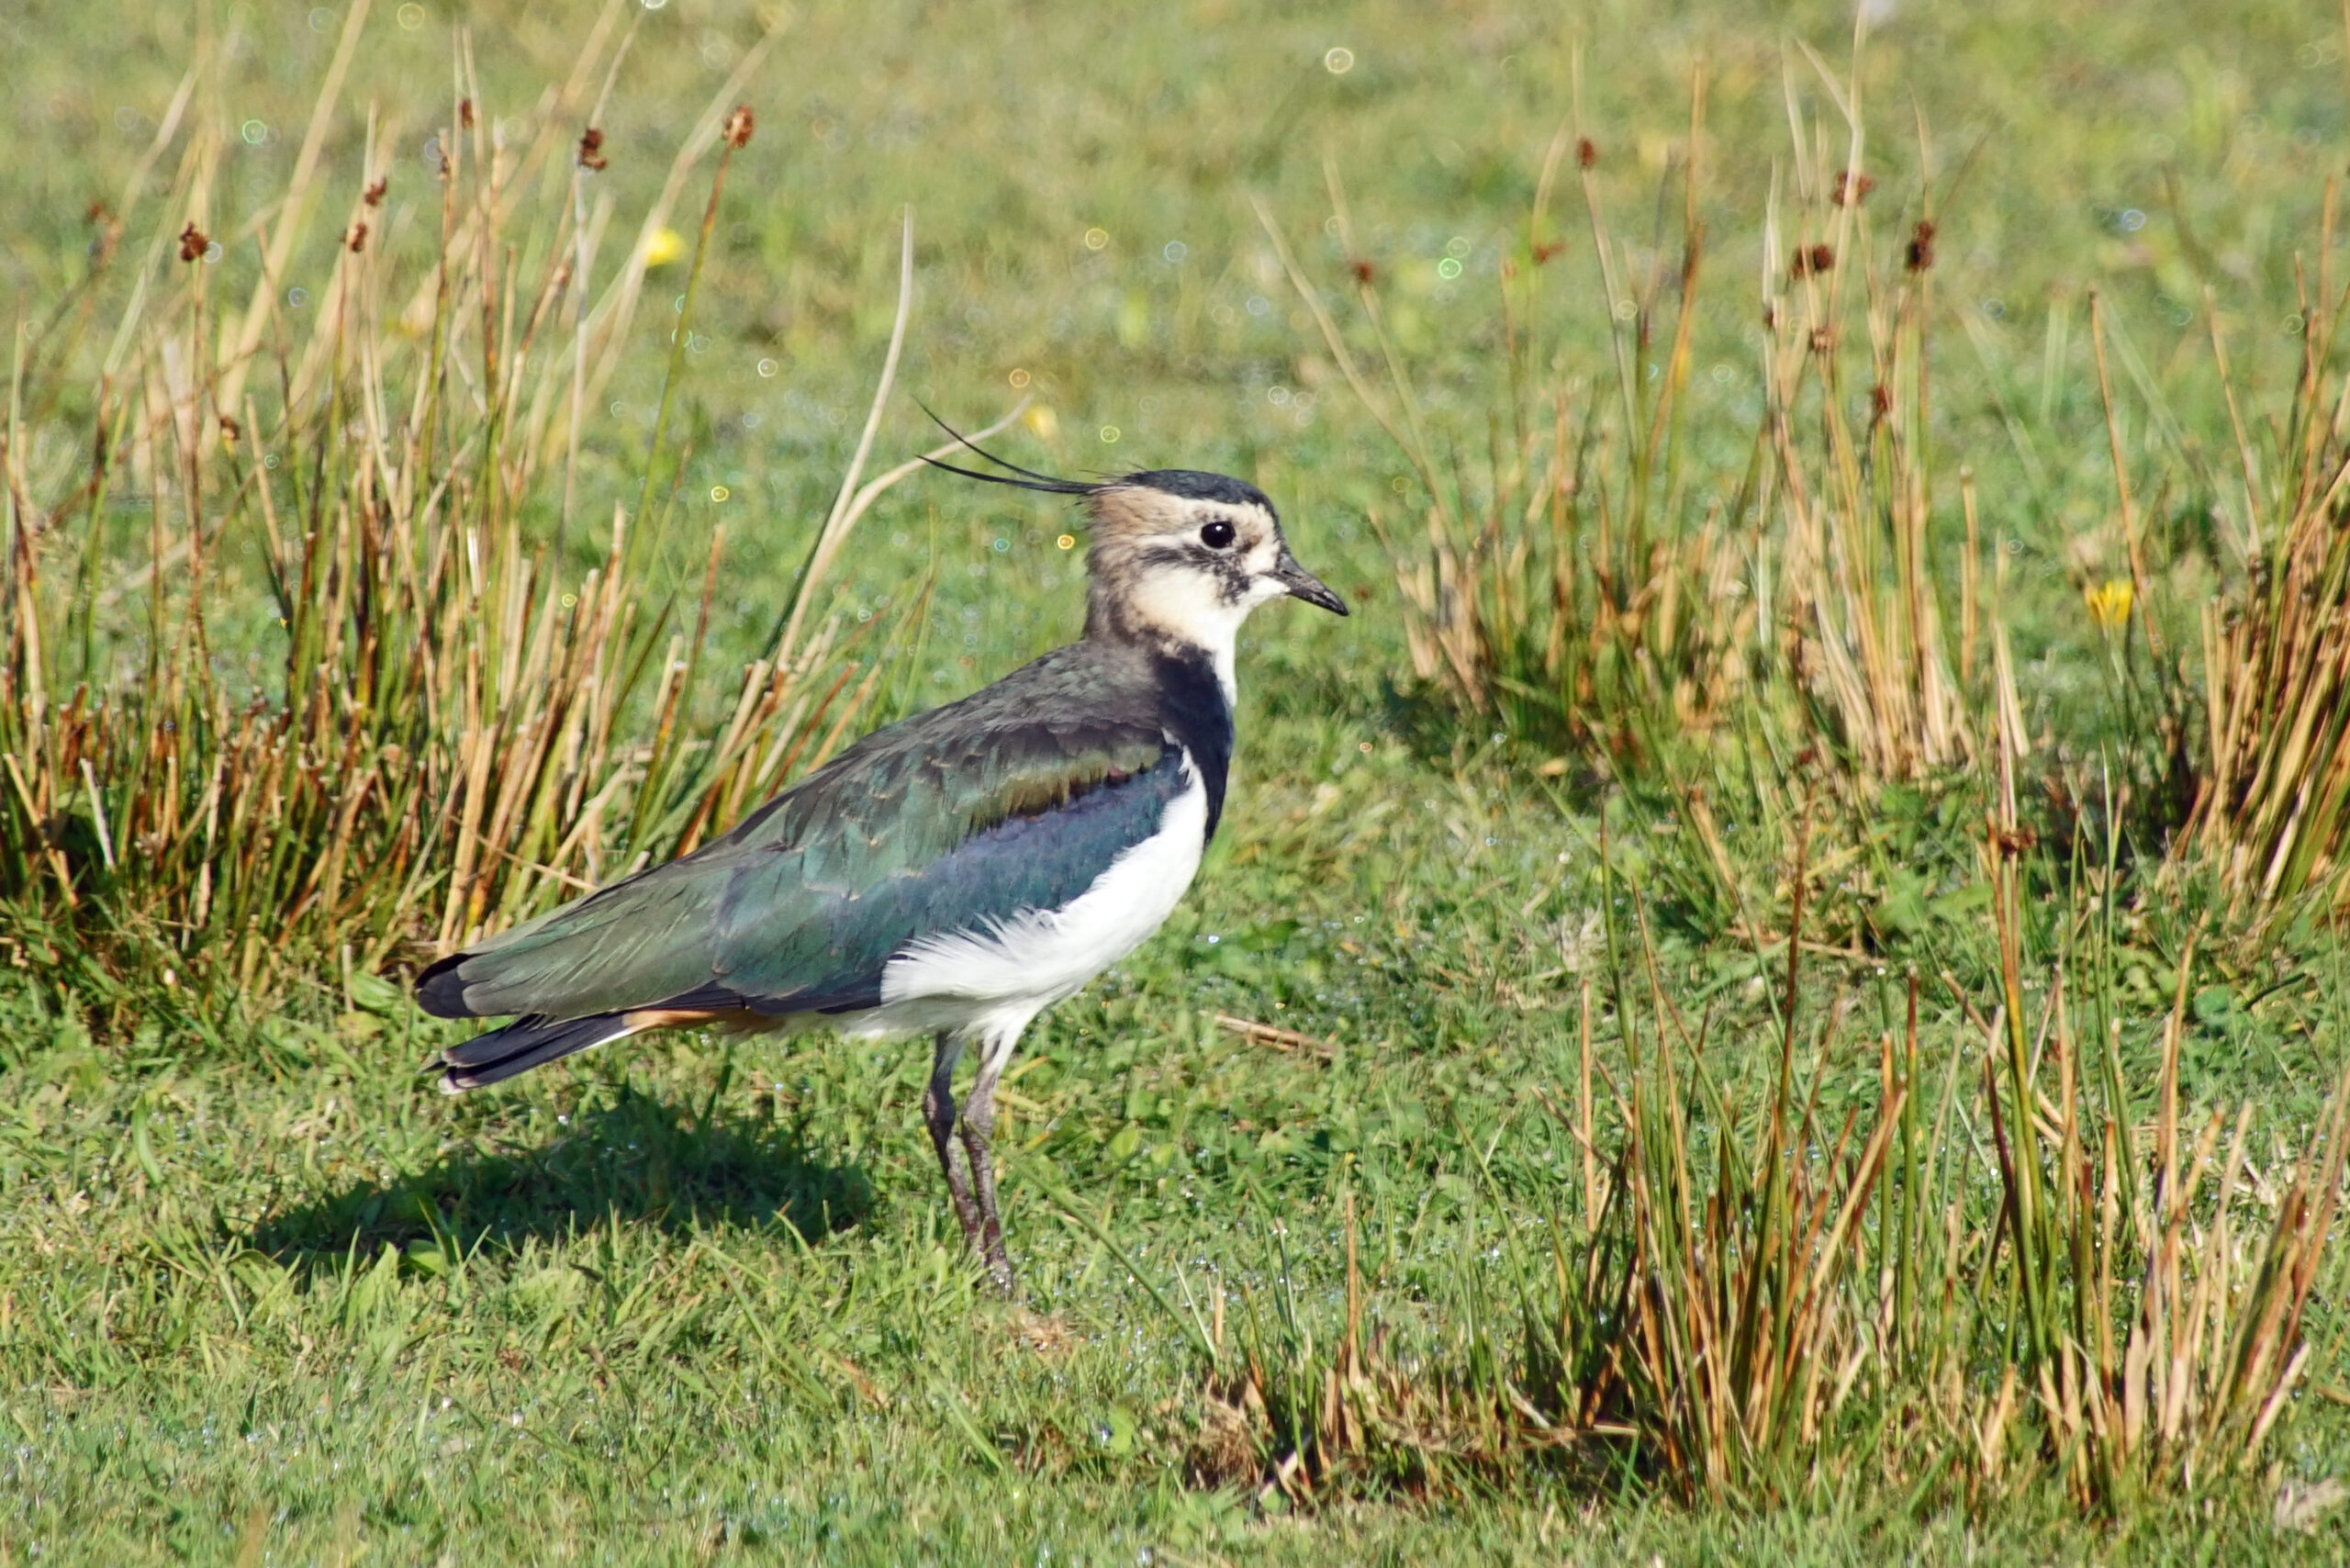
(194, 243)
(1808, 259)
(738, 127)
(354, 238)
(1543, 252)
(465, 113)
(1921, 245)
(374, 195)
(1853, 188)
(591, 151)
(1365, 273)
(1585, 153)
(1880, 402)
(231, 430)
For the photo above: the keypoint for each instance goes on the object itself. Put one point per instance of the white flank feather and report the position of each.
(996, 978)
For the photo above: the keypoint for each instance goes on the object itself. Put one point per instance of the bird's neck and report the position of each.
(1164, 626)
(1193, 703)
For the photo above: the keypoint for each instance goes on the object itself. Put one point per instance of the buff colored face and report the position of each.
(1195, 568)
(1207, 563)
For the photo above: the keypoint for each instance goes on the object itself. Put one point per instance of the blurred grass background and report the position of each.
(2102, 147)
(268, 1301)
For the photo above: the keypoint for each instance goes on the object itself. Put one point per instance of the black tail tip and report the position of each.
(529, 1041)
(440, 992)
(446, 1076)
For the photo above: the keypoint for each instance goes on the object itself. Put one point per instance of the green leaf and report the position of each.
(1962, 901)
(375, 994)
(1270, 938)
(1904, 908)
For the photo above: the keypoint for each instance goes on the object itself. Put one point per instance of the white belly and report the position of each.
(994, 979)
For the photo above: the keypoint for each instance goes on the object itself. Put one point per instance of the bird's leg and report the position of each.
(978, 1127)
(938, 1111)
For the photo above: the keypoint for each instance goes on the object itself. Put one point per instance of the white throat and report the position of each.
(1189, 609)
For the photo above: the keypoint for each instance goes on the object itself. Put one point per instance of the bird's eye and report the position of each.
(1216, 535)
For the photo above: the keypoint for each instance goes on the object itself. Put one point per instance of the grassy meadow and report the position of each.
(1773, 994)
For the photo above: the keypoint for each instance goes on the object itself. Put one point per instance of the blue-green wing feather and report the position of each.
(1039, 860)
(1014, 799)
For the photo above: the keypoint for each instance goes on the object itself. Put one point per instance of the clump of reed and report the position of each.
(1584, 585)
(1990, 1271)
(2272, 811)
(1561, 589)
(1846, 371)
(1834, 598)
(345, 709)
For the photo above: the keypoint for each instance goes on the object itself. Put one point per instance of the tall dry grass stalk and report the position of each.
(1847, 376)
(440, 736)
(2273, 810)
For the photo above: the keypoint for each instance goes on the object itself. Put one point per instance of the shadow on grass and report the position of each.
(638, 1160)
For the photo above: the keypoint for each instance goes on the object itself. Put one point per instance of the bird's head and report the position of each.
(1187, 555)
(1178, 555)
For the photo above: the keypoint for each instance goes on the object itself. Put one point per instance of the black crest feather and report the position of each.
(1015, 475)
(1191, 483)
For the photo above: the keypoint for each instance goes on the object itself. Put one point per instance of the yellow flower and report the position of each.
(2108, 602)
(1040, 419)
(663, 246)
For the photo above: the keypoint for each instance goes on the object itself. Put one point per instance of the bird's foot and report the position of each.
(1000, 1274)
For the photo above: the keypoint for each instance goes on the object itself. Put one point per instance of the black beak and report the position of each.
(1302, 583)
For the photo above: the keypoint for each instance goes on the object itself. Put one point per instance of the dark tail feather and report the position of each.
(522, 1044)
(440, 992)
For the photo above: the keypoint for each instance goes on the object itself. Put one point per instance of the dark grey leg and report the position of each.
(978, 1127)
(938, 1111)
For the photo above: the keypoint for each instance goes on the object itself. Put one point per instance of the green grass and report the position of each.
(704, 1294)
(710, 1291)
(265, 1297)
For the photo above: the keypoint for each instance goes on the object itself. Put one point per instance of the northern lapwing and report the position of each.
(952, 875)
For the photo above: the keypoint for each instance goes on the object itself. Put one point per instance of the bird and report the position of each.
(953, 874)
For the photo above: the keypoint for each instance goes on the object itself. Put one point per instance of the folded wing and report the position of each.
(939, 825)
